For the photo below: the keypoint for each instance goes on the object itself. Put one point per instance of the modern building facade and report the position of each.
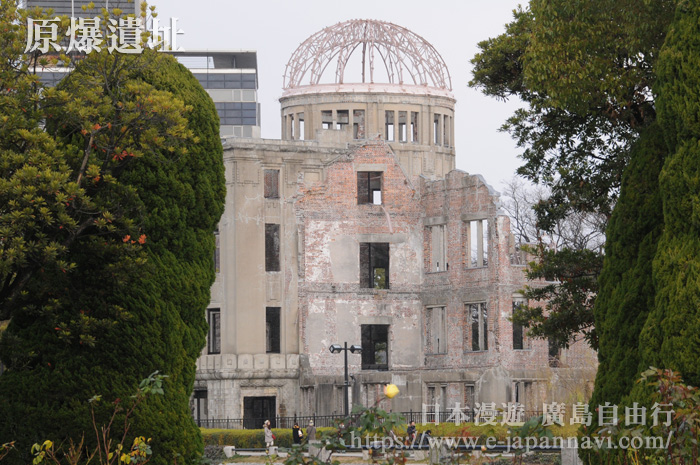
(231, 79)
(74, 8)
(356, 227)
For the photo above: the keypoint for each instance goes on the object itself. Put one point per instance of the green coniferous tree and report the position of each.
(108, 322)
(671, 334)
(626, 293)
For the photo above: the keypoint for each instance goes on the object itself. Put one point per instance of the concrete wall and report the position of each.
(322, 303)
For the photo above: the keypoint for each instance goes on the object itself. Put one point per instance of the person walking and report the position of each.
(311, 431)
(269, 437)
(296, 433)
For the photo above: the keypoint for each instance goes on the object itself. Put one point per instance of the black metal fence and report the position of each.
(334, 420)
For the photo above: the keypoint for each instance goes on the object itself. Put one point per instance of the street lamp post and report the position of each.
(336, 349)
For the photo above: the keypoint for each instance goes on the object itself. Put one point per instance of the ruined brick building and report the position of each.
(356, 227)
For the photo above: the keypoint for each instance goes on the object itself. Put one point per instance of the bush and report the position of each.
(250, 438)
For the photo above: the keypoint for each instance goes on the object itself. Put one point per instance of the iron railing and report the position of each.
(334, 420)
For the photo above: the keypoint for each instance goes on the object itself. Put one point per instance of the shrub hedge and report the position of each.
(250, 438)
(255, 438)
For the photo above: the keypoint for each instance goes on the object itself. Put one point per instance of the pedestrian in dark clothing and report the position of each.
(296, 433)
(411, 433)
(425, 438)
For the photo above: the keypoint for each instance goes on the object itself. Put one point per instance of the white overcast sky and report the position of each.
(275, 28)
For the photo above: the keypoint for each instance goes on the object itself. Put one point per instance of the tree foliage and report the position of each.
(626, 293)
(585, 71)
(670, 337)
(567, 296)
(567, 258)
(112, 184)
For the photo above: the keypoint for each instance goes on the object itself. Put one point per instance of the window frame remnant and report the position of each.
(342, 119)
(327, 119)
(518, 330)
(436, 330)
(273, 333)
(214, 333)
(436, 129)
(271, 188)
(477, 243)
(389, 125)
(414, 127)
(272, 247)
(375, 347)
(375, 265)
(438, 248)
(358, 124)
(402, 127)
(369, 187)
(477, 327)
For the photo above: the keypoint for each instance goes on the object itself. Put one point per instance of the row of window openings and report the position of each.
(374, 259)
(435, 400)
(369, 186)
(476, 336)
(369, 191)
(374, 256)
(522, 392)
(403, 130)
(477, 245)
(272, 330)
(375, 337)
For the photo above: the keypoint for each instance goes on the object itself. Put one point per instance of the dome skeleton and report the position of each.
(405, 55)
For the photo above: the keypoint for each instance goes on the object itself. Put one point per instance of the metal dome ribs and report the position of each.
(406, 57)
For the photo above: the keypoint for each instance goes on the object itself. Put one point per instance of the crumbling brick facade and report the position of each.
(356, 228)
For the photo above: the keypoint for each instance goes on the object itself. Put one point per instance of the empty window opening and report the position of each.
(369, 187)
(445, 131)
(438, 256)
(522, 394)
(300, 118)
(414, 126)
(272, 184)
(292, 128)
(272, 330)
(436, 129)
(200, 406)
(468, 398)
(343, 119)
(436, 407)
(518, 339)
(477, 324)
(327, 119)
(431, 401)
(258, 409)
(272, 247)
(436, 330)
(402, 126)
(375, 347)
(554, 353)
(389, 126)
(374, 265)
(214, 319)
(477, 243)
(358, 124)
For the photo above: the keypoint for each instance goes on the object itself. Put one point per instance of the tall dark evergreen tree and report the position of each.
(671, 334)
(626, 290)
(107, 323)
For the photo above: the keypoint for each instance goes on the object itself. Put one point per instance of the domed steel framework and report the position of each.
(407, 57)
